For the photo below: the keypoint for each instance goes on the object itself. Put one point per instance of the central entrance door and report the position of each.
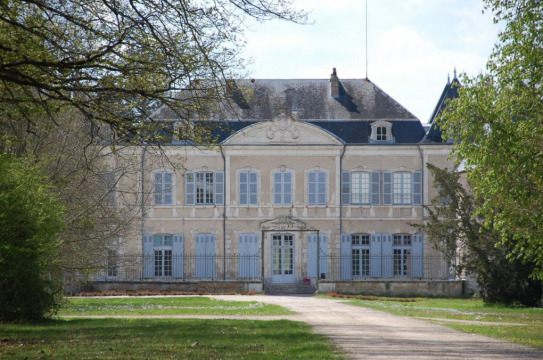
(282, 258)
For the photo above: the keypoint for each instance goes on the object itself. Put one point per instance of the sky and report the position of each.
(413, 45)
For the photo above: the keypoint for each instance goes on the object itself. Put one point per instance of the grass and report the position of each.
(138, 338)
(519, 325)
(167, 306)
(163, 339)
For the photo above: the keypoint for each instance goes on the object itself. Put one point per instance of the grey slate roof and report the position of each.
(351, 132)
(260, 99)
(449, 92)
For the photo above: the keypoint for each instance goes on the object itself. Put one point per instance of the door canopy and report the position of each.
(285, 223)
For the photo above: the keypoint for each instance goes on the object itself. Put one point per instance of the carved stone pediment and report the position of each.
(285, 223)
(283, 128)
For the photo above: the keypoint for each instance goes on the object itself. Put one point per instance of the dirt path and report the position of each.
(365, 333)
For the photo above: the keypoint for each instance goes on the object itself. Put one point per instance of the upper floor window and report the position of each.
(381, 131)
(282, 188)
(401, 188)
(204, 188)
(360, 188)
(108, 183)
(163, 188)
(316, 188)
(248, 187)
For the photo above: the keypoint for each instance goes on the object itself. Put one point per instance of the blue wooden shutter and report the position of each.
(249, 261)
(345, 187)
(387, 188)
(158, 189)
(218, 180)
(312, 255)
(177, 254)
(375, 255)
(346, 261)
(321, 188)
(278, 188)
(148, 256)
(323, 256)
(205, 256)
(253, 188)
(417, 188)
(190, 188)
(416, 256)
(387, 252)
(375, 187)
(168, 188)
(243, 188)
(287, 188)
(312, 188)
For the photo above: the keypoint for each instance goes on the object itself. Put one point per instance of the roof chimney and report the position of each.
(334, 85)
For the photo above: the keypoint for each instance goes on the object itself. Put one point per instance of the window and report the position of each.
(112, 263)
(107, 182)
(360, 188)
(360, 255)
(316, 188)
(282, 188)
(163, 255)
(248, 188)
(204, 188)
(401, 188)
(402, 244)
(381, 133)
(163, 188)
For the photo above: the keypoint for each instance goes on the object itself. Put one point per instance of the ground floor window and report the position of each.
(360, 255)
(163, 264)
(401, 247)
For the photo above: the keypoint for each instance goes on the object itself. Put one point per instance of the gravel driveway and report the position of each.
(369, 334)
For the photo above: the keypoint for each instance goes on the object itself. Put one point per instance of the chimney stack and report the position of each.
(334, 85)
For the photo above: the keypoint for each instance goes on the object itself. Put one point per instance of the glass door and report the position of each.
(282, 258)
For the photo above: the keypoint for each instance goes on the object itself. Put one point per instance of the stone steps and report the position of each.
(290, 289)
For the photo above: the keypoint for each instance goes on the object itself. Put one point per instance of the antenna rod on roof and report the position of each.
(366, 39)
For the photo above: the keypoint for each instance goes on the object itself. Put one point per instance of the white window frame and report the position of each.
(317, 187)
(360, 188)
(163, 191)
(381, 132)
(249, 190)
(280, 191)
(204, 189)
(402, 245)
(163, 255)
(402, 188)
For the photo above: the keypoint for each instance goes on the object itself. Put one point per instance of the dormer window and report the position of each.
(381, 132)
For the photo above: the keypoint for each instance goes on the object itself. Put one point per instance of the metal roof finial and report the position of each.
(448, 78)
(454, 73)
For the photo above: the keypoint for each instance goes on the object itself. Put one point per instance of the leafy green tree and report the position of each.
(116, 61)
(31, 217)
(454, 228)
(497, 125)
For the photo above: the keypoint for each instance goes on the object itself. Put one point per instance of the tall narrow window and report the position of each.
(316, 188)
(204, 188)
(163, 247)
(381, 133)
(107, 182)
(163, 188)
(360, 255)
(401, 188)
(282, 188)
(401, 246)
(360, 188)
(248, 188)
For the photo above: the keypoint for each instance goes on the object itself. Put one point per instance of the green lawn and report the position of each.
(163, 339)
(196, 305)
(520, 325)
(111, 338)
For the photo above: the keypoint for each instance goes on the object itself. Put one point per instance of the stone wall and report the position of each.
(213, 287)
(395, 288)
